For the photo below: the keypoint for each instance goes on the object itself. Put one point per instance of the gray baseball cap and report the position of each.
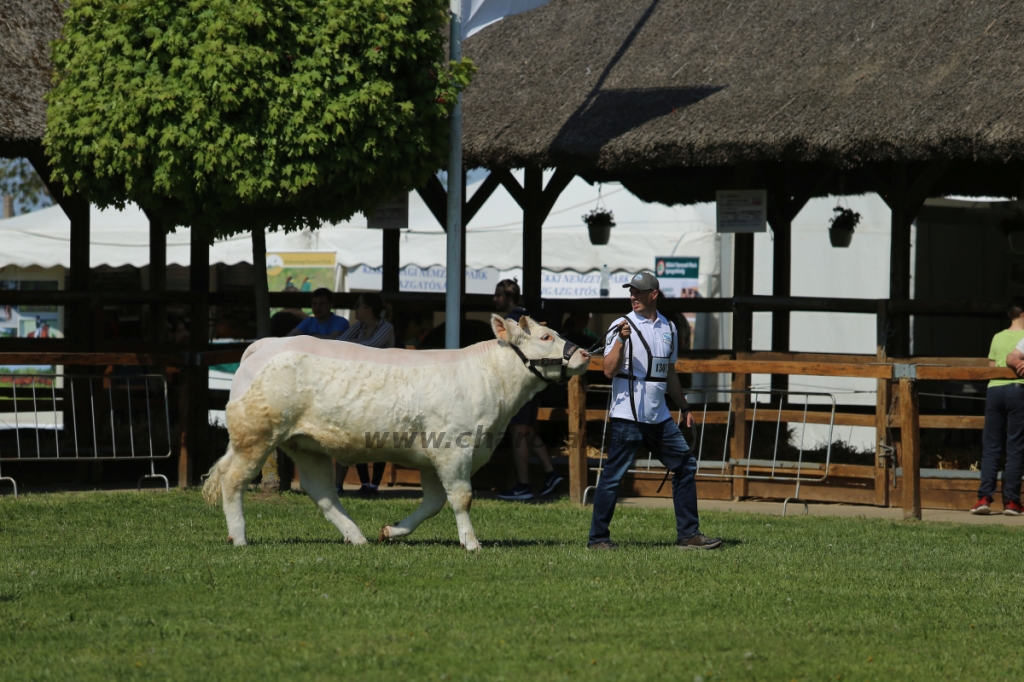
(644, 281)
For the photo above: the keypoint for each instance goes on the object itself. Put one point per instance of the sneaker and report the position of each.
(1012, 508)
(368, 490)
(606, 544)
(552, 481)
(520, 492)
(699, 541)
(982, 506)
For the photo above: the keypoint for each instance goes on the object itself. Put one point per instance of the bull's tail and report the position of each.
(212, 487)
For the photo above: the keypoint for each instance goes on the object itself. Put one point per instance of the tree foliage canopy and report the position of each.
(19, 179)
(229, 115)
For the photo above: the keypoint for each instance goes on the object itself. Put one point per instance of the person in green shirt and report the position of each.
(1004, 421)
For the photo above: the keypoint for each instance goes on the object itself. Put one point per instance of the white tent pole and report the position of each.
(452, 308)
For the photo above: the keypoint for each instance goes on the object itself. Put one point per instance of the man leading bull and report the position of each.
(639, 357)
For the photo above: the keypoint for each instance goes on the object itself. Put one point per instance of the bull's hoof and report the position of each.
(231, 540)
(385, 534)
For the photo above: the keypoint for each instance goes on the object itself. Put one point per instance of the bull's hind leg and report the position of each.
(454, 476)
(238, 468)
(433, 500)
(316, 473)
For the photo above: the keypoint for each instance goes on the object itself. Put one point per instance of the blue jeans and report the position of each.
(666, 443)
(1004, 432)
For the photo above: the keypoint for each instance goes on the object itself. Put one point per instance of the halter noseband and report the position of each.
(532, 364)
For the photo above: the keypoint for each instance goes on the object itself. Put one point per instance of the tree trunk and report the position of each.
(259, 264)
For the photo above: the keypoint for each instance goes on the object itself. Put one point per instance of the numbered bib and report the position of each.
(659, 368)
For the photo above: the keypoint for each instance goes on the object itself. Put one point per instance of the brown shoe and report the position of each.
(699, 541)
(607, 544)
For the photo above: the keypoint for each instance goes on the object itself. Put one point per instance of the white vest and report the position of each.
(648, 365)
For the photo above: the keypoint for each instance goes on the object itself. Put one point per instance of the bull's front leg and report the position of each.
(454, 474)
(433, 500)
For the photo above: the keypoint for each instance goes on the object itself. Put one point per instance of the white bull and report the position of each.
(441, 412)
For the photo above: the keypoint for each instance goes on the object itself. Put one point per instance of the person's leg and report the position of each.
(378, 472)
(364, 473)
(1014, 443)
(993, 439)
(625, 440)
(666, 442)
(538, 447)
(521, 452)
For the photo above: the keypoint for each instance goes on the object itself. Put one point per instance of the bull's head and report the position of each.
(542, 351)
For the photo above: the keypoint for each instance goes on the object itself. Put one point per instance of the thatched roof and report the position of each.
(26, 29)
(664, 93)
(623, 87)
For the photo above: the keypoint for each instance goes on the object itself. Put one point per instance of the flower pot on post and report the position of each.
(599, 223)
(840, 231)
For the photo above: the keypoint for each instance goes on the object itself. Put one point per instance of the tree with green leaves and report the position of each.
(245, 115)
(21, 185)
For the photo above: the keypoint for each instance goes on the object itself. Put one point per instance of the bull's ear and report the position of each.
(524, 324)
(498, 325)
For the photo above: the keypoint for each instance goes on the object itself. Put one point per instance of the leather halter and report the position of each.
(532, 364)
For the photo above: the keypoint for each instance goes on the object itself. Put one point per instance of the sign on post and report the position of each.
(742, 210)
(390, 215)
(679, 277)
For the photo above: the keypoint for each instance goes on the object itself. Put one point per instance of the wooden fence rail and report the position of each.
(899, 374)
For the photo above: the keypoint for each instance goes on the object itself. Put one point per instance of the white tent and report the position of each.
(494, 237)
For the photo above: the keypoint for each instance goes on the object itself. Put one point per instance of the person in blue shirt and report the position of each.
(323, 323)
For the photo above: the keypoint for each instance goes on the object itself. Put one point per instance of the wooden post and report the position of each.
(157, 279)
(910, 436)
(533, 222)
(392, 261)
(899, 262)
(740, 431)
(578, 475)
(883, 397)
(78, 318)
(196, 414)
(742, 338)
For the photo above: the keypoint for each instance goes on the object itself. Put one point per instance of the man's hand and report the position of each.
(613, 359)
(688, 419)
(1015, 360)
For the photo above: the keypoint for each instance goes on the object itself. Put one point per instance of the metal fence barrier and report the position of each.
(791, 471)
(47, 417)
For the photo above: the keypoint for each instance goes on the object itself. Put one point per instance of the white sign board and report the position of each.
(390, 215)
(742, 210)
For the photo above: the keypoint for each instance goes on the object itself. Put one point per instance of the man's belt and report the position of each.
(620, 375)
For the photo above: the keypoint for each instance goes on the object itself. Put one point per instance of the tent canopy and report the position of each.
(494, 239)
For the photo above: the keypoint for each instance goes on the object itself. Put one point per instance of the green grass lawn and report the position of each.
(99, 586)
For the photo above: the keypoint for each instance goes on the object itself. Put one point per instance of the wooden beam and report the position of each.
(92, 359)
(436, 199)
(556, 185)
(480, 196)
(822, 369)
(511, 185)
(577, 438)
(910, 437)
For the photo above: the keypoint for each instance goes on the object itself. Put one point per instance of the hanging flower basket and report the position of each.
(842, 225)
(600, 223)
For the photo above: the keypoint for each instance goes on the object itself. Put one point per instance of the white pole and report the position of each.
(453, 309)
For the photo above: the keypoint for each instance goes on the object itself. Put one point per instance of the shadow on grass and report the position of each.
(9, 597)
